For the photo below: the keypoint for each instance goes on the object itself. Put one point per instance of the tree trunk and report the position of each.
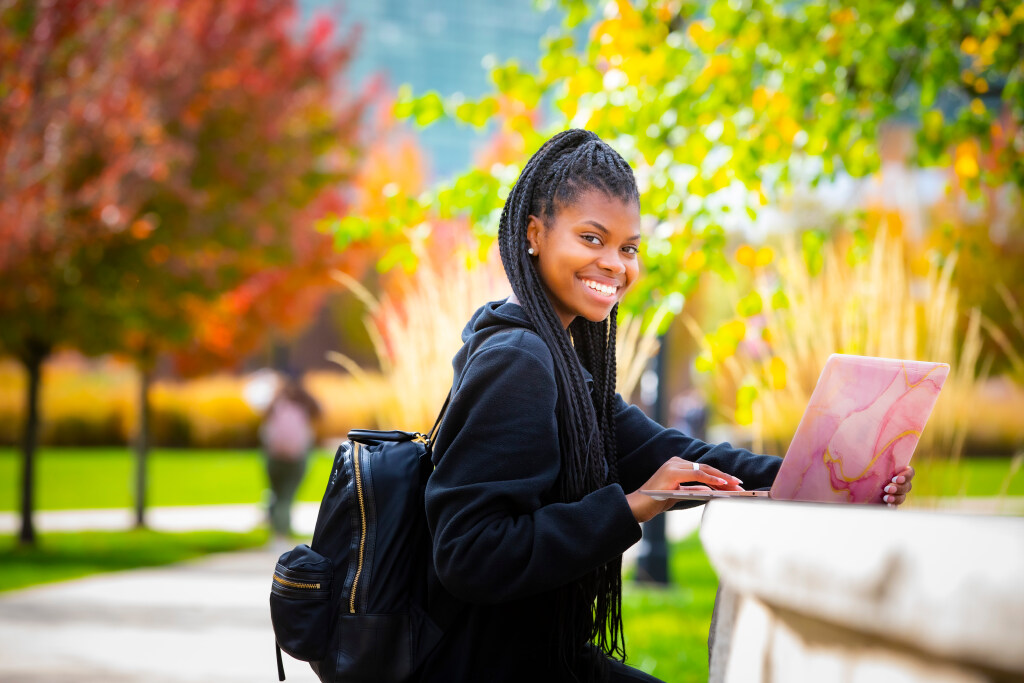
(142, 444)
(33, 363)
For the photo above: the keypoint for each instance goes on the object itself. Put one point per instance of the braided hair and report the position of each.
(567, 166)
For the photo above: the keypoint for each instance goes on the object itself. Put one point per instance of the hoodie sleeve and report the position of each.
(643, 445)
(497, 536)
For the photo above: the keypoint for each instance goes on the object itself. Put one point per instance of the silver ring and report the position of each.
(696, 466)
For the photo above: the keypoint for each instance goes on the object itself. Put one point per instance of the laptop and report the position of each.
(861, 426)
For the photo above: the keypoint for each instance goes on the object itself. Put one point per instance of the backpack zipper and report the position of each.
(294, 584)
(362, 533)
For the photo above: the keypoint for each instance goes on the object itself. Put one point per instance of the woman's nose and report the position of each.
(612, 263)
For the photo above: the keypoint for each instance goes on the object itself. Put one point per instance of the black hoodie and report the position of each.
(502, 542)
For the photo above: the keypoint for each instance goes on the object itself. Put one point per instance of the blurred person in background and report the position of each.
(287, 435)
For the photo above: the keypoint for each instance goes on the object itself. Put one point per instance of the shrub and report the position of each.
(417, 330)
(87, 402)
(860, 297)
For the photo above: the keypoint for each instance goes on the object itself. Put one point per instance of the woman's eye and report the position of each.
(631, 249)
(593, 239)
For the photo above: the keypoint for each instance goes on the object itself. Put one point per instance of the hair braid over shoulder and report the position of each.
(568, 165)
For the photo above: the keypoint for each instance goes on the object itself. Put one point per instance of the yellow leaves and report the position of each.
(779, 104)
(774, 106)
(752, 258)
(719, 65)
(627, 13)
(762, 198)
(844, 16)
(833, 43)
(966, 165)
(695, 261)
(989, 46)
(735, 330)
(568, 106)
(777, 373)
(700, 35)
(746, 395)
(982, 53)
(720, 179)
(977, 107)
(624, 41)
(788, 128)
(665, 11)
(759, 100)
(746, 255)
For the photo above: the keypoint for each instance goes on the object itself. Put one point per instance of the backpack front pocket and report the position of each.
(300, 603)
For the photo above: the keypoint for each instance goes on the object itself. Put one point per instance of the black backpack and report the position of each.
(353, 603)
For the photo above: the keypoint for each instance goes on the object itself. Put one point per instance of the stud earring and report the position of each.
(530, 251)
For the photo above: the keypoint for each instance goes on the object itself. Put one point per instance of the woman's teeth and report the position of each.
(607, 290)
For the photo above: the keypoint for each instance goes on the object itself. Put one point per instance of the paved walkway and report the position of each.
(185, 518)
(200, 621)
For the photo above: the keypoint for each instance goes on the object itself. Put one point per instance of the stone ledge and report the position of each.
(943, 584)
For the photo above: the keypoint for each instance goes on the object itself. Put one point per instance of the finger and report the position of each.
(904, 475)
(894, 499)
(898, 489)
(687, 474)
(726, 477)
(894, 490)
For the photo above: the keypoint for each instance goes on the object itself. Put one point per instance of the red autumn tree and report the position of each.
(154, 156)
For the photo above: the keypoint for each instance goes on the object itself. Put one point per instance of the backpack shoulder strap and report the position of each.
(440, 416)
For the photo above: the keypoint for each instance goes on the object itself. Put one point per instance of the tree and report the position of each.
(154, 155)
(721, 105)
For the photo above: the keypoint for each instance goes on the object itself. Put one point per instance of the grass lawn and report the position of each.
(667, 628)
(73, 478)
(62, 556)
(77, 478)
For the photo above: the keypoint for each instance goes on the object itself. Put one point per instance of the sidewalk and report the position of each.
(196, 622)
(238, 518)
(199, 621)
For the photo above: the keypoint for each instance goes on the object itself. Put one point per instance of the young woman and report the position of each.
(538, 461)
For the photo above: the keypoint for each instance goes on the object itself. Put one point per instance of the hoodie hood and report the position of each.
(494, 317)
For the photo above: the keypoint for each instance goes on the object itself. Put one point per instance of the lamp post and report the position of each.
(652, 562)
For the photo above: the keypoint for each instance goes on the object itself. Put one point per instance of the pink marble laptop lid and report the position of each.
(861, 425)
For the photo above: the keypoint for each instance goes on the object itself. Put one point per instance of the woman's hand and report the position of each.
(895, 492)
(670, 477)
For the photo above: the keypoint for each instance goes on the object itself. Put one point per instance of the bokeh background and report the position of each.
(196, 198)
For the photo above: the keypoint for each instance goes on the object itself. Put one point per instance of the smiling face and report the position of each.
(586, 254)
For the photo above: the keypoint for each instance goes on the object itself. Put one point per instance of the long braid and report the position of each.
(566, 166)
